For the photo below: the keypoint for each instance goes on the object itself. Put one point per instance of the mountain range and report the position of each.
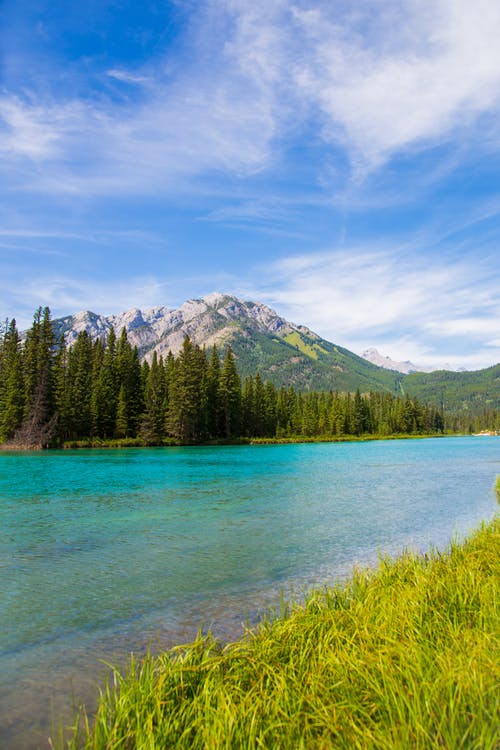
(283, 352)
(406, 367)
(374, 356)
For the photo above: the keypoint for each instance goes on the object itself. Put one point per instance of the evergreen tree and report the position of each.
(152, 421)
(258, 423)
(121, 427)
(230, 396)
(108, 387)
(97, 399)
(39, 425)
(61, 390)
(80, 386)
(11, 374)
(247, 408)
(128, 370)
(186, 415)
(212, 395)
(309, 425)
(31, 351)
(358, 414)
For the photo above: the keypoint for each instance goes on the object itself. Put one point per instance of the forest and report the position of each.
(52, 395)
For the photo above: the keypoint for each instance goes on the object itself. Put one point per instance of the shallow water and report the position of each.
(103, 552)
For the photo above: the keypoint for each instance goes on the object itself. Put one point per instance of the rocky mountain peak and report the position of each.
(209, 320)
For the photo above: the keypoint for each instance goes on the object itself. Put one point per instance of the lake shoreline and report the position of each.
(374, 653)
(107, 551)
(99, 443)
(293, 440)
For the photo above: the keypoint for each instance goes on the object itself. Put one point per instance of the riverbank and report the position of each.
(403, 656)
(170, 442)
(96, 443)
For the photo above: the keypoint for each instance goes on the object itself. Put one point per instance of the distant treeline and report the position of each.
(50, 394)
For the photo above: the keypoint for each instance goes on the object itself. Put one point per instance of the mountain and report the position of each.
(406, 367)
(283, 352)
(457, 392)
(374, 356)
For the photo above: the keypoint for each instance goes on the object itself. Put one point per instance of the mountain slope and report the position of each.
(285, 353)
(459, 392)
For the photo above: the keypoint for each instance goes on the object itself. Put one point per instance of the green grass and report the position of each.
(295, 339)
(363, 438)
(406, 656)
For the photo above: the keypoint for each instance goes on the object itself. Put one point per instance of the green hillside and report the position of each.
(307, 363)
(457, 392)
(287, 354)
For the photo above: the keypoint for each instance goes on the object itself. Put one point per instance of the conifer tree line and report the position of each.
(50, 394)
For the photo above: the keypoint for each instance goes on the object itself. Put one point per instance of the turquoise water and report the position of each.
(106, 551)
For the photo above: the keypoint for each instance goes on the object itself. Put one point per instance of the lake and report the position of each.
(104, 552)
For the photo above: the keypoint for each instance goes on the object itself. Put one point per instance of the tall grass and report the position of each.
(406, 656)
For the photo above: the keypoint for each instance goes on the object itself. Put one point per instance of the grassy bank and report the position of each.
(365, 437)
(403, 657)
(138, 443)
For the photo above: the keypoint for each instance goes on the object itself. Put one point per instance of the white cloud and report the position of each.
(418, 310)
(377, 80)
(171, 136)
(384, 78)
(29, 129)
(67, 294)
(127, 77)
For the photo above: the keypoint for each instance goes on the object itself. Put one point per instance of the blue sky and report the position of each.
(339, 161)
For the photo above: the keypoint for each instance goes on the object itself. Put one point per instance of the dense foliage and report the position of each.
(407, 656)
(100, 390)
(471, 400)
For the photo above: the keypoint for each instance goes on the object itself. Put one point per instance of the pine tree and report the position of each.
(121, 427)
(212, 395)
(97, 398)
(135, 392)
(359, 420)
(258, 425)
(31, 351)
(186, 408)
(152, 421)
(128, 371)
(11, 373)
(108, 387)
(230, 396)
(80, 386)
(309, 425)
(61, 390)
(39, 424)
(247, 408)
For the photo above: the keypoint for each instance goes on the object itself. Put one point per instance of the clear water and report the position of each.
(103, 552)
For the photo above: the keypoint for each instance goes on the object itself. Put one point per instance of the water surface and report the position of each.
(106, 551)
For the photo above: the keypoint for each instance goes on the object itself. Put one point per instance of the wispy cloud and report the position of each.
(421, 310)
(424, 70)
(93, 236)
(68, 294)
(377, 82)
(126, 77)
(208, 119)
(35, 131)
